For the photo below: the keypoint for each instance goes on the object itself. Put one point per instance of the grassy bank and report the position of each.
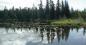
(71, 22)
(60, 22)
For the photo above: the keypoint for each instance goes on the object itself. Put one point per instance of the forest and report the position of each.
(42, 14)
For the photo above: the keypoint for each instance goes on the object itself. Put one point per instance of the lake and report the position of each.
(43, 36)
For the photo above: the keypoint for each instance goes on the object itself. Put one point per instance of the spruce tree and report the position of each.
(47, 10)
(41, 11)
(52, 10)
(62, 10)
(58, 10)
(67, 11)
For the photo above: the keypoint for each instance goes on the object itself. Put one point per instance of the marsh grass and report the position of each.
(71, 22)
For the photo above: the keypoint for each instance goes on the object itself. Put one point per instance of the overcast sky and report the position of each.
(76, 4)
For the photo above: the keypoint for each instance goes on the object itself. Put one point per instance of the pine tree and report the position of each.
(52, 10)
(41, 11)
(47, 10)
(58, 10)
(62, 10)
(67, 11)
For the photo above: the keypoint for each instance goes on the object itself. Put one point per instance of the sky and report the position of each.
(75, 4)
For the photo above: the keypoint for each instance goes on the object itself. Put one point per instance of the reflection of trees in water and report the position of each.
(36, 29)
(58, 34)
(66, 32)
(62, 33)
(77, 29)
(84, 31)
(48, 33)
(41, 32)
(52, 34)
(7, 29)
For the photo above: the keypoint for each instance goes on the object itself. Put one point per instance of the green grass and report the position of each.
(73, 22)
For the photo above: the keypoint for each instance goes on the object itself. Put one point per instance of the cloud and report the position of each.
(77, 4)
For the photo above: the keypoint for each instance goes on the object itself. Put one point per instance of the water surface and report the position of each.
(42, 36)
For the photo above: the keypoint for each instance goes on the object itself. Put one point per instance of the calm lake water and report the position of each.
(42, 36)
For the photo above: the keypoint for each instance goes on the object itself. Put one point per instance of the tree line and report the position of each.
(49, 12)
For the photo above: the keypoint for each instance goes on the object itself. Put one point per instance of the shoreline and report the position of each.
(26, 25)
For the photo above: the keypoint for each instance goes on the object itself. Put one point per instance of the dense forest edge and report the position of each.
(51, 14)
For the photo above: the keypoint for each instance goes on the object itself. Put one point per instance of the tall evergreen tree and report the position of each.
(47, 10)
(67, 11)
(33, 13)
(58, 10)
(52, 10)
(5, 13)
(62, 10)
(41, 11)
